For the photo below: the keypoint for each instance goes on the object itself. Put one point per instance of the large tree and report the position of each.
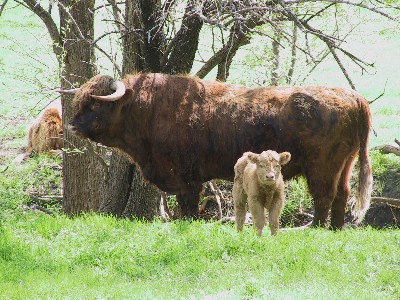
(164, 36)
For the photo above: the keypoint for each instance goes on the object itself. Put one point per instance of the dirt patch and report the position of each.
(382, 215)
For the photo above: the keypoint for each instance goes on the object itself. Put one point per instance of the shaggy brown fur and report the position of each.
(45, 133)
(183, 131)
(259, 183)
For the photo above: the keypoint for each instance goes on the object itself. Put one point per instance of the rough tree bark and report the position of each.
(183, 48)
(83, 171)
(128, 195)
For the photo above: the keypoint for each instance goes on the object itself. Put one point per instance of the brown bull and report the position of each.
(183, 131)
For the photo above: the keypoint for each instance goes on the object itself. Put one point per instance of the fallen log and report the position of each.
(391, 201)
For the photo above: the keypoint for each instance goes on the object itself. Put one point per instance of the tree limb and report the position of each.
(344, 71)
(358, 4)
(2, 6)
(51, 26)
(391, 201)
(387, 149)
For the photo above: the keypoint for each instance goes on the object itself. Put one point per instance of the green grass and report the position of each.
(110, 258)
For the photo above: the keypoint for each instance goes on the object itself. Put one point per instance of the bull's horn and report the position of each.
(68, 92)
(119, 88)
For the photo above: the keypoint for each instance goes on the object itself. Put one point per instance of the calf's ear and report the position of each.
(253, 157)
(285, 158)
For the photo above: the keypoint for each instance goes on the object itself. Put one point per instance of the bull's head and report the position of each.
(269, 165)
(95, 107)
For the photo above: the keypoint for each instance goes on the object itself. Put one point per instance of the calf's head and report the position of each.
(96, 109)
(269, 165)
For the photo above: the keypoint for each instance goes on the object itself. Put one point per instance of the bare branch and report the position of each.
(71, 18)
(342, 67)
(48, 21)
(358, 4)
(391, 201)
(293, 55)
(3, 6)
(110, 58)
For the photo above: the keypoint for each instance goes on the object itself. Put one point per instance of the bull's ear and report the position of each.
(253, 157)
(285, 158)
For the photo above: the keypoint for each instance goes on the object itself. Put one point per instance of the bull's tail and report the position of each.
(364, 189)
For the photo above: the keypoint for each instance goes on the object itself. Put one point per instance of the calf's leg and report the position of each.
(257, 211)
(239, 202)
(275, 212)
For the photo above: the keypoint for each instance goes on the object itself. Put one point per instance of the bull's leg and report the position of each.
(188, 201)
(239, 202)
(323, 190)
(342, 196)
(257, 211)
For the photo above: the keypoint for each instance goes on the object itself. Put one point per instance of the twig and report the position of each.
(38, 207)
(344, 71)
(110, 58)
(359, 4)
(298, 228)
(218, 195)
(164, 210)
(397, 142)
(383, 93)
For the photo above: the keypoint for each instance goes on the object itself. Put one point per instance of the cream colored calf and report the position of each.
(258, 182)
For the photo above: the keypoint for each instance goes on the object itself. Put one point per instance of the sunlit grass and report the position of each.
(113, 258)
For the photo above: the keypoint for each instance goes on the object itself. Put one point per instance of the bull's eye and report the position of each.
(95, 106)
(96, 125)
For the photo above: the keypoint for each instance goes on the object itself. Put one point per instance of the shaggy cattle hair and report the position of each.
(259, 183)
(45, 133)
(183, 131)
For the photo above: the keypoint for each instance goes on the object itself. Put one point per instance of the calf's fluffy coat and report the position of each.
(259, 183)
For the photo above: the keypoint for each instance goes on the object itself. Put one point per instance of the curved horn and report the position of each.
(68, 92)
(119, 88)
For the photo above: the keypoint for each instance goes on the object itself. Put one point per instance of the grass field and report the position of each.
(99, 257)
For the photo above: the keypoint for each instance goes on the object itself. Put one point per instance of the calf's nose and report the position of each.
(270, 176)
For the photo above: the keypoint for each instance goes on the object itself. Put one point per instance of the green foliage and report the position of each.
(298, 197)
(383, 166)
(39, 175)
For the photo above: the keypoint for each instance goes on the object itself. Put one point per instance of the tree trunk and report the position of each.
(128, 195)
(276, 59)
(184, 45)
(83, 171)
